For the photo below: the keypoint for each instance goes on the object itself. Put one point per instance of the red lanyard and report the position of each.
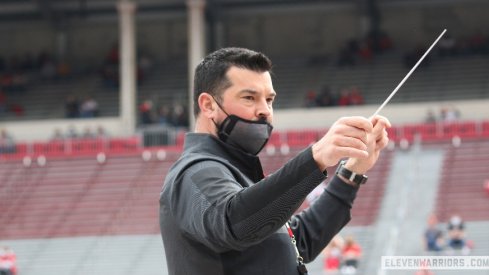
(300, 261)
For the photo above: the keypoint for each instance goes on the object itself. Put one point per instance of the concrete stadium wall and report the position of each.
(398, 114)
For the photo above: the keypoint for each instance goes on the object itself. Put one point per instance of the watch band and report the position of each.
(352, 176)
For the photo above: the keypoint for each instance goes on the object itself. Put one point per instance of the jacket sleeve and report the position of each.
(317, 225)
(214, 209)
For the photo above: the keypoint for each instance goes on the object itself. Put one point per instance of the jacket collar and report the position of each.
(208, 144)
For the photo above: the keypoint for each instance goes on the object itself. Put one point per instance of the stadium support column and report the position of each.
(196, 47)
(127, 66)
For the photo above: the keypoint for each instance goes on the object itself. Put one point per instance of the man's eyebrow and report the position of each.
(250, 91)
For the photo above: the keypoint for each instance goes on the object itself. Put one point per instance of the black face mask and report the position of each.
(248, 135)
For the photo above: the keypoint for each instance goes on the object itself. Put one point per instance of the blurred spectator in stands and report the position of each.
(144, 67)
(48, 69)
(412, 57)
(346, 58)
(89, 108)
(72, 132)
(57, 135)
(101, 132)
(7, 143)
(87, 133)
(19, 82)
(449, 113)
(179, 116)
(3, 102)
(478, 43)
(5, 81)
(110, 75)
(385, 42)
(447, 46)
(325, 97)
(113, 54)
(430, 116)
(347, 53)
(146, 112)
(365, 52)
(332, 256)
(17, 109)
(424, 271)
(351, 254)
(456, 234)
(72, 107)
(13, 81)
(63, 69)
(356, 97)
(8, 261)
(433, 235)
(110, 68)
(310, 99)
(164, 115)
(344, 98)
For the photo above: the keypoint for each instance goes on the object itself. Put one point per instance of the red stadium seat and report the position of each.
(485, 129)
(460, 129)
(301, 138)
(393, 133)
(52, 148)
(87, 146)
(429, 132)
(275, 139)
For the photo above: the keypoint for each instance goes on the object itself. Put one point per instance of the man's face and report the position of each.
(250, 95)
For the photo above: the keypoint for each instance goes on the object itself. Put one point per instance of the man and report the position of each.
(219, 214)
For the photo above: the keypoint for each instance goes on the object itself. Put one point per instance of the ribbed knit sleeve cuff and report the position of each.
(341, 190)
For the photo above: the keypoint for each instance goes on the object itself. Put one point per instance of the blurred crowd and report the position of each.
(449, 240)
(328, 98)
(8, 261)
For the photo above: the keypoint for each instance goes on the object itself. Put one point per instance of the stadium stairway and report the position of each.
(409, 198)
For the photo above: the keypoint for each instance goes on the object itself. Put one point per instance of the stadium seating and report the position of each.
(72, 195)
(293, 78)
(72, 181)
(80, 197)
(461, 189)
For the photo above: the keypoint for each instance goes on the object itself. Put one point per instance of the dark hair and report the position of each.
(210, 74)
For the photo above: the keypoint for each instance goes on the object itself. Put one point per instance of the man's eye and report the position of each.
(248, 97)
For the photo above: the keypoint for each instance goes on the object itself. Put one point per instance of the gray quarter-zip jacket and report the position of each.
(220, 216)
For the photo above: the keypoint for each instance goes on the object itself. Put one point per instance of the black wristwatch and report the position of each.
(352, 176)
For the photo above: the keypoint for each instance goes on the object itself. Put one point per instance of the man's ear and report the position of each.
(207, 105)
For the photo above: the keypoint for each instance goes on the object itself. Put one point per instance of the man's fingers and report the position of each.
(352, 142)
(382, 142)
(353, 132)
(382, 120)
(358, 122)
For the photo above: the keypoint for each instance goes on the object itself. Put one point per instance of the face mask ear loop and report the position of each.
(218, 104)
(220, 107)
